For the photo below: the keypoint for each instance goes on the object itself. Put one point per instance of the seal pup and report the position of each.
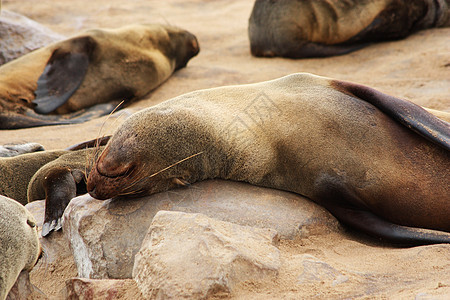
(319, 28)
(16, 172)
(86, 76)
(345, 146)
(59, 181)
(19, 243)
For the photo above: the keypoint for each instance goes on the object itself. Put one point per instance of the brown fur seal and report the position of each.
(19, 243)
(58, 182)
(345, 146)
(16, 172)
(86, 76)
(56, 176)
(318, 28)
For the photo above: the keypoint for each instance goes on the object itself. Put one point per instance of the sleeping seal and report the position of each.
(345, 146)
(318, 28)
(87, 75)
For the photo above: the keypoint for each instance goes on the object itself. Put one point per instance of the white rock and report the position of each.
(193, 256)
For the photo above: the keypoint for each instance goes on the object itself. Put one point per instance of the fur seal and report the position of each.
(319, 28)
(16, 172)
(19, 243)
(87, 75)
(56, 176)
(345, 146)
(58, 182)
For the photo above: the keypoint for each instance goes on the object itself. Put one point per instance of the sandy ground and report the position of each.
(417, 68)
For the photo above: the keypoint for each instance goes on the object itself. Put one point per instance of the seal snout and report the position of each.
(107, 177)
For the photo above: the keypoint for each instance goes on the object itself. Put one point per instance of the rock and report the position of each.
(24, 289)
(20, 35)
(193, 256)
(316, 271)
(81, 288)
(105, 235)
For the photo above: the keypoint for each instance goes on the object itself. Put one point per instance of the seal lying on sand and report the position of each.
(318, 28)
(86, 76)
(345, 146)
(19, 243)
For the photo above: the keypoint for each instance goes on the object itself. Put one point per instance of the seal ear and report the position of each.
(63, 74)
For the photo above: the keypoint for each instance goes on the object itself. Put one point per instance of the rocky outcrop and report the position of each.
(20, 35)
(192, 256)
(106, 235)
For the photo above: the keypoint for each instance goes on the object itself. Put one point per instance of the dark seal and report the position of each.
(319, 28)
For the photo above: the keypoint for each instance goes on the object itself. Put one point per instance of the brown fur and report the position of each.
(306, 134)
(315, 28)
(19, 243)
(110, 65)
(16, 172)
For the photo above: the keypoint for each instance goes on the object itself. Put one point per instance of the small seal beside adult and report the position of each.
(378, 163)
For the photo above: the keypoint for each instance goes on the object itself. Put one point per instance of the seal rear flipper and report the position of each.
(17, 121)
(63, 74)
(405, 112)
(377, 227)
(32, 119)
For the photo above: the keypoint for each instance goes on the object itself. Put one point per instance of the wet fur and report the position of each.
(314, 136)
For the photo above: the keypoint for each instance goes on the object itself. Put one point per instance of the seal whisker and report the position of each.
(174, 164)
(138, 178)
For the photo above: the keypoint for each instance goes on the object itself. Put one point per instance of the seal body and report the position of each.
(321, 138)
(88, 75)
(318, 28)
(59, 181)
(16, 172)
(19, 243)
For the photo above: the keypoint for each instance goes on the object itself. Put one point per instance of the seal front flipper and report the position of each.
(60, 186)
(63, 74)
(405, 112)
